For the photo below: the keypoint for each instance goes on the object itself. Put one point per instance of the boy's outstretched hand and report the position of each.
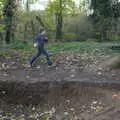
(46, 39)
(35, 44)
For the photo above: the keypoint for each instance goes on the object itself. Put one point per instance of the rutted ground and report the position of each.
(59, 101)
(67, 67)
(66, 89)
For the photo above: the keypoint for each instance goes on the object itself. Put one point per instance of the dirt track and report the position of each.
(74, 88)
(66, 67)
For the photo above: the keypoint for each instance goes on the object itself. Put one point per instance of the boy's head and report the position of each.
(43, 32)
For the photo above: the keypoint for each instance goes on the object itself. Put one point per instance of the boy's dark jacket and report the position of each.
(40, 39)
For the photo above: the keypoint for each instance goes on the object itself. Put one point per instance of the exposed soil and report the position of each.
(75, 87)
(59, 101)
(67, 67)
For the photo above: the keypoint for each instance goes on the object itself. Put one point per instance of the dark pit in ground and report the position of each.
(67, 100)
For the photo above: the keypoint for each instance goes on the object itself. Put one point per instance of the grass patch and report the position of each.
(81, 47)
(89, 47)
(4, 53)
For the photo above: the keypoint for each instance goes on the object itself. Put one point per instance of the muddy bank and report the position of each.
(71, 89)
(67, 100)
(39, 92)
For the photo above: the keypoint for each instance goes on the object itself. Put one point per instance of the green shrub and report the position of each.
(113, 37)
(19, 44)
(69, 37)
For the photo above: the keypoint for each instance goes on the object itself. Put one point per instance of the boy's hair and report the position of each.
(42, 30)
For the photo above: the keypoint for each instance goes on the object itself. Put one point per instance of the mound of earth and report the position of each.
(76, 86)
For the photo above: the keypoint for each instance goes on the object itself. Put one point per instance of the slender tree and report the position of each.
(1, 20)
(60, 9)
(59, 22)
(9, 12)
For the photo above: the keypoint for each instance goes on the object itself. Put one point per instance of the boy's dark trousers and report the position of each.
(40, 51)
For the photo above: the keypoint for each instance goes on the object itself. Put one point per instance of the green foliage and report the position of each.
(76, 25)
(67, 6)
(58, 10)
(81, 47)
(113, 36)
(80, 26)
(70, 37)
(1, 14)
(21, 45)
(101, 8)
(105, 12)
(4, 53)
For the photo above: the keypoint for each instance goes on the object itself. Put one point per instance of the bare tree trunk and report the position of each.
(25, 30)
(1, 37)
(8, 14)
(103, 35)
(38, 18)
(59, 24)
(8, 33)
(27, 6)
(105, 24)
(33, 28)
